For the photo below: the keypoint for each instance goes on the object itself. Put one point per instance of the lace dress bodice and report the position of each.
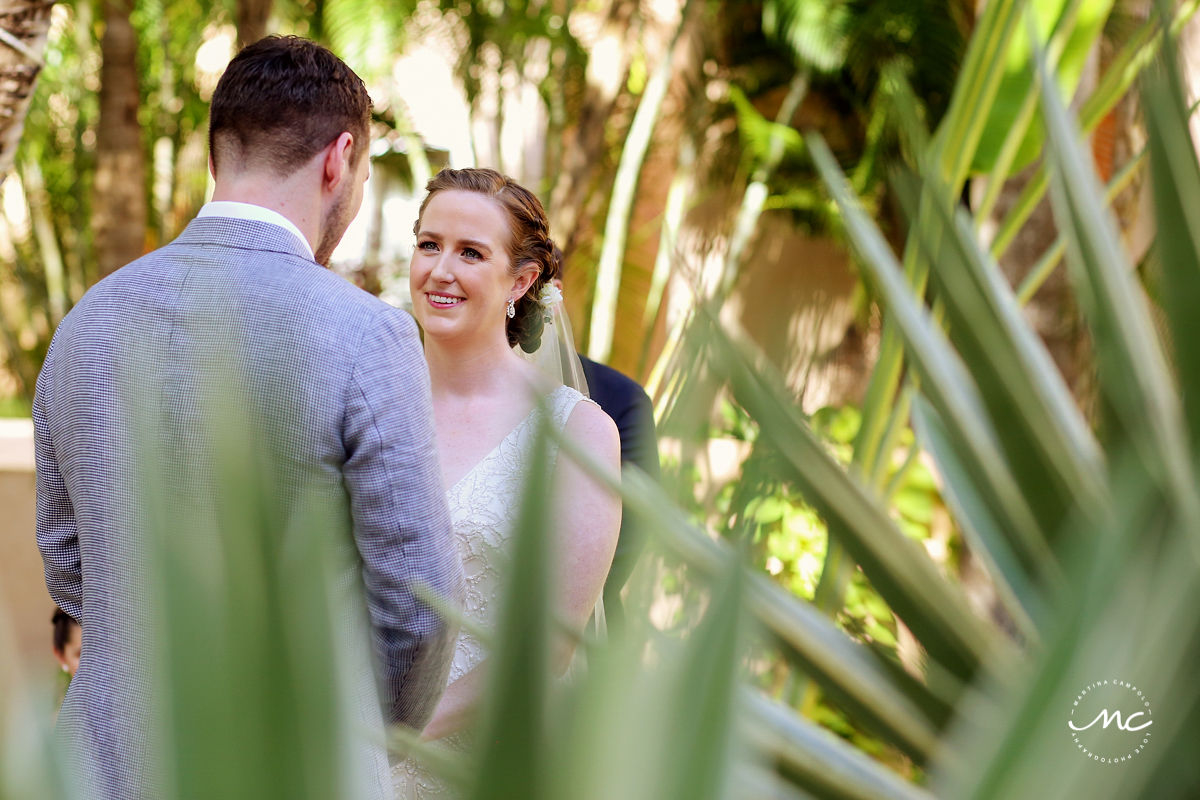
(484, 505)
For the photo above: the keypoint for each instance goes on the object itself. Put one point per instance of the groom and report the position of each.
(240, 305)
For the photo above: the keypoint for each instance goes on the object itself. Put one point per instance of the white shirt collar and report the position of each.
(253, 213)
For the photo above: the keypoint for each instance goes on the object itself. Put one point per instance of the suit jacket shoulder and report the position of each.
(623, 399)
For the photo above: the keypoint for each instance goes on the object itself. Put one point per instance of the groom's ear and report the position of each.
(336, 162)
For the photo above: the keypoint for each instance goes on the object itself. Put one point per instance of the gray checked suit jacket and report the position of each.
(341, 381)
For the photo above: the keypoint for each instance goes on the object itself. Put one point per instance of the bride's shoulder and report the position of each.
(585, 422)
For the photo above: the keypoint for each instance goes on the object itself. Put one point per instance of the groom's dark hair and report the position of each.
(282, 100)
(62, 629)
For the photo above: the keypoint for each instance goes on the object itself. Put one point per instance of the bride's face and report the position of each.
(461, 275)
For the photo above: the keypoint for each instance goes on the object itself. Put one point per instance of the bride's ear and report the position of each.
(525, 277)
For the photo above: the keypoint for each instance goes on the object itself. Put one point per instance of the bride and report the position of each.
(482, 258)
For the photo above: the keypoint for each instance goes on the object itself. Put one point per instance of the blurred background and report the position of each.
(672, 143)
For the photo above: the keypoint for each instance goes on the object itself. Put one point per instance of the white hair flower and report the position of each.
(550, 295)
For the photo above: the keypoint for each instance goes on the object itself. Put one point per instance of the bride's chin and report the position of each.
(441, 334)
(462, 340)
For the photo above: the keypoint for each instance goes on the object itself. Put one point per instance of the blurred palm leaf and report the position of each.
(816, 30)
(1131, 364)
(1148, 491)
(899, 570)
(366, 34)
(1093, 552)
(801, 752)
(1078, 23)
(247, 624)
(844, 668)
(1124, 68)
(1176, 184)
(514, 754)
(29, 767)
(1054, 456)
(759, 134)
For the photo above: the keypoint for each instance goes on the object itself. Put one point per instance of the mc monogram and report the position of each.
(1104, 714)
(1122, 732)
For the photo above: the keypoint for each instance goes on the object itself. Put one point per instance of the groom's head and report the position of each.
(281, 101)
(284, 107)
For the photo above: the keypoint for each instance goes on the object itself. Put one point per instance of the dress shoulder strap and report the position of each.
(561, 403)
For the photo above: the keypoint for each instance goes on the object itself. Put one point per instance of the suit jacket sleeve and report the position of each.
(401, 521)
(639, 446)
(55, 527)
(639, 442)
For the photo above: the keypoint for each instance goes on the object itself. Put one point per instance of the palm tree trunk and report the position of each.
(252, 16)
(584, 150)
(119, 208)
(612, 253)
(24, 25)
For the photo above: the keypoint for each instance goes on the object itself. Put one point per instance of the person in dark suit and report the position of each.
(623, 399)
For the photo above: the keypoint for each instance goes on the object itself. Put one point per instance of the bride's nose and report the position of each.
(441, 271)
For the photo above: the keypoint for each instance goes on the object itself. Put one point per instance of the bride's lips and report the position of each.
(439, 300)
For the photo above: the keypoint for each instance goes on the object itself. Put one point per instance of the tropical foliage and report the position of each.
(899, 599)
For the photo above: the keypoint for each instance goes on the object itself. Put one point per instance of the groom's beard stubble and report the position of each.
(334, 226)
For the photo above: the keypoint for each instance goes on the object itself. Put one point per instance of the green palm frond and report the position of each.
(817, 31)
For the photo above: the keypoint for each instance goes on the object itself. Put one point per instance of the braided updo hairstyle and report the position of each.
(529, 241)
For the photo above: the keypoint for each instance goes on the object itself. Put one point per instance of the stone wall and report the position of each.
(25, 606)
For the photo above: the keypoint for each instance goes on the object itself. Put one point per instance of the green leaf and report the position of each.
(957, 138)
(898, 567)
(1130, 613)
(1176, 186)
(945, 380)
(758, 133)
(845, 669)
(815, 30)
(1088, 18)
(235, 580)
(702, 702)
(1047, 443)
(816, 760)
(949, 154)
(984, 533)
(514, 750)
(1133, 370)
(1120, 74)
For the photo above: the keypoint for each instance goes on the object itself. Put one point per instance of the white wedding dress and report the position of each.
(484, 505)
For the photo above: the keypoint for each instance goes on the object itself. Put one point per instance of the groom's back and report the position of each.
(229, 328)
(204, 335)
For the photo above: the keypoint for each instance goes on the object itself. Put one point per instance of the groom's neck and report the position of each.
(286, 196)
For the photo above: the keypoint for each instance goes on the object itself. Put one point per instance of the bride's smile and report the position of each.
(440, 300)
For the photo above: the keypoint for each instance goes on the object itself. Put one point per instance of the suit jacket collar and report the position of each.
(243, 234)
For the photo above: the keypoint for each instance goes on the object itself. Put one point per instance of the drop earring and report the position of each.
(511, 311)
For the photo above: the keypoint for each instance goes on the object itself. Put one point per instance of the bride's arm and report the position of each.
(586, 540)
(456, 710)
(591, 516)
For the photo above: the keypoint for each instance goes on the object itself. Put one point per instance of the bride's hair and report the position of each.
(529, 240)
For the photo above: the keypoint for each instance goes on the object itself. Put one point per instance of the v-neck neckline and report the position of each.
(494, 450)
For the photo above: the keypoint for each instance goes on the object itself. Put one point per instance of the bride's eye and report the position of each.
(471, 253)
(427, 245)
